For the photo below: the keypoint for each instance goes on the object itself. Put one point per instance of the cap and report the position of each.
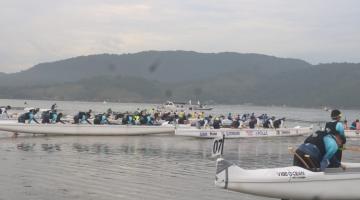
(335, 113)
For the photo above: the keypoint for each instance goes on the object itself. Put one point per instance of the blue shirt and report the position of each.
(331, 147)
(31, 117)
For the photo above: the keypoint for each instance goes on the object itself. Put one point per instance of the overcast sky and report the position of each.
(317, 31)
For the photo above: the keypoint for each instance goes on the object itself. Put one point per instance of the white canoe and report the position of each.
(76, 129)
(291, 182)
(242, 133)
(352, 133)
(8, 121)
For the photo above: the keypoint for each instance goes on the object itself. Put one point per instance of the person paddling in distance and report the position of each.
(3, 112)
(30, 116)
(279, 123)
(323, 149)
(82, 117)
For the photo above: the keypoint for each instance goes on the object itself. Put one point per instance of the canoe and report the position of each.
(290, 182)
(352, 133)
(242, 133)
(76, 129)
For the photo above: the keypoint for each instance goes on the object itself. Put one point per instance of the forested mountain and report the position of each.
(156, 76)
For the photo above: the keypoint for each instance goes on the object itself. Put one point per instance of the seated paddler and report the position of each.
(323, 149)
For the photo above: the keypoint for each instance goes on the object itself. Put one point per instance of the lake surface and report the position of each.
(139, 167)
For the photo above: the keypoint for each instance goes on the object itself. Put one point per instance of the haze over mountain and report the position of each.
(156, 76)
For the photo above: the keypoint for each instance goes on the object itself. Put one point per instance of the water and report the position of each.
(138, 167)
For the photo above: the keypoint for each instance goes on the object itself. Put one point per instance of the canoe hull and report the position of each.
(290, 182)
(75, 129)
(352, 133)
(242, 133)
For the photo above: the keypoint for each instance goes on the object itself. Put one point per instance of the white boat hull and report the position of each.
(76, 129)
(290, 182)
(352, 133)
(242, 133)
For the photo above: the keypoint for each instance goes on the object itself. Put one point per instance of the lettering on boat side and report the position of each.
(293, 173)
(213, 133)
(232, 133)
(203, 134)
(285, 132)
(249, 132)
(261, 132)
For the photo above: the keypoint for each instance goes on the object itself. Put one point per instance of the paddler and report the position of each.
(323, 148)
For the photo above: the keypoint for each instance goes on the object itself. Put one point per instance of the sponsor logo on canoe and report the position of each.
(203, 134)
(285, 132)
(292, 174)
(232, 133)
(213, 133)
(249, 132)
(261, 132)
(256, 132)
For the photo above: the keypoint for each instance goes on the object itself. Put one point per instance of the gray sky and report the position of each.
(318, 31)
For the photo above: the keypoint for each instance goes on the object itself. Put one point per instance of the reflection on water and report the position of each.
(140, 167)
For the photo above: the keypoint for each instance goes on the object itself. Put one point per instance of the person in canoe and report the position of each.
(53, 107)
(269, 123)
(253, 122)
(217, 123)
(101, 119)
(355, 125)
(3, 112)
(279, 123)
(323, 148)
(82, 117)
(30, 116)
(58, 118)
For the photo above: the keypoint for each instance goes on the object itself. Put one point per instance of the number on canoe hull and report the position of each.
(218, 146)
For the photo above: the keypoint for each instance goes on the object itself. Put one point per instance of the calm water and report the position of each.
(139, 167)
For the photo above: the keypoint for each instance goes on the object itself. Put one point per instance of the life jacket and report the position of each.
(266, 123)
(317, 139)
(23, 117)
(330, 128)
(81, 114)
(277, 123)
(45, 117)
(98, 118)
(252, 123)
(216, 124)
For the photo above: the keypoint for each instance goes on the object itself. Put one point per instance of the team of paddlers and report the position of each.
(149, 117)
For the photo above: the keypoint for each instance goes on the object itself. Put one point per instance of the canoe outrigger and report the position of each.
(291, 182)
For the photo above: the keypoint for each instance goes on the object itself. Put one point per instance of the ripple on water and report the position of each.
(144, 167)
